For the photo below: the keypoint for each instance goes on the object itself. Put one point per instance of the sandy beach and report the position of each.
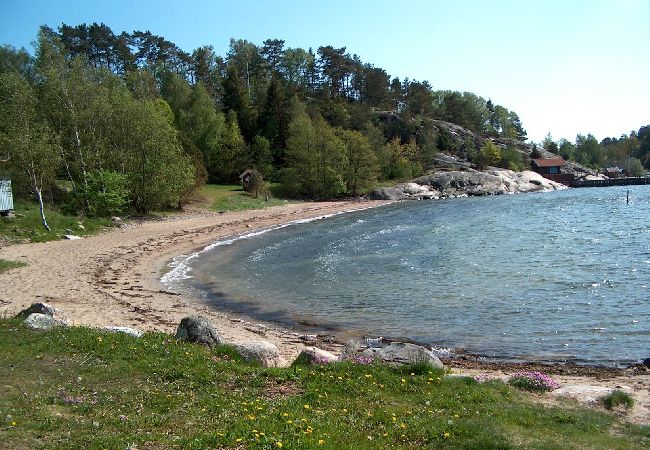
(113, 279)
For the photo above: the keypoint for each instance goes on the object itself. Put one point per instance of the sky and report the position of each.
(566, 67)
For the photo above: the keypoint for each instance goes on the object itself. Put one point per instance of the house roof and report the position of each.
(245, 172)
(549, 162)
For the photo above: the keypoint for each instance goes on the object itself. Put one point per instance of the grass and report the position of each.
(7, 265)
(80, 388)
(233, 198)
(27, 226)
(618, 398)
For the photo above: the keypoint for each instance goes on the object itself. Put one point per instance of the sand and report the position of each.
(113, 279)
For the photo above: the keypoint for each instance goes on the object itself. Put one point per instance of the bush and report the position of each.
(488, 155)
(106, 194)
(533, 382)
(617, 398)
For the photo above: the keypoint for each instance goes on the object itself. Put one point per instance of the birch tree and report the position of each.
(32, 148)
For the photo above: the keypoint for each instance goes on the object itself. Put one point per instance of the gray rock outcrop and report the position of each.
(39, 321)
(263, 353)
(467, 183)
(313, 355)
(393, 353)
(48, 310)
(125, 330)
(198, 329)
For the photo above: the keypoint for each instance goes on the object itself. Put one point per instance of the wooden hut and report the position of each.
(551, 168)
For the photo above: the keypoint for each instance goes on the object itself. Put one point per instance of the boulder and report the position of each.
(263, 353)
(198, 329)
(313, 355)
(39, 321)
(646, 362)
(126, 330)
(587, 394)
(48, 310)
(402, 353)
(389, 352)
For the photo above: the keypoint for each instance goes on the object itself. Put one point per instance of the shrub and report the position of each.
(617, 398)
(533, 381)
(106, 193)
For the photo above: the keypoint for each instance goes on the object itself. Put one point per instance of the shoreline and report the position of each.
(113, 279)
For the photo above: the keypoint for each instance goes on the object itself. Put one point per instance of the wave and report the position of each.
(180, 267)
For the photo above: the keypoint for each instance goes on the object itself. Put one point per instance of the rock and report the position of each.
(126, 330)
(467, 183)
(313, 355)
(116, 219)
(198, 329)
(403, 353)
(39, 321)
(385, 194)
(646, 362)
(588, 394)
(48, 310)
(81, 226)
(264, 353)
(392, 353)
(71, 237)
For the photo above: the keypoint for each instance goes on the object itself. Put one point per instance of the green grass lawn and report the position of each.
(27, 224)
(79, 388)
(233, 198)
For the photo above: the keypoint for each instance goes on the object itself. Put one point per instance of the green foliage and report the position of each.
(316, 159)
(488, 155)
(589, 152)
(618, 398)
(567, 150)
(160, 173)
(511, 159)
(30, 146)
(361, 162)
(113, 390)
(8, 265)
(400, 161)
(239, 111)
(106, 194)
(260, 155)
(635, 167)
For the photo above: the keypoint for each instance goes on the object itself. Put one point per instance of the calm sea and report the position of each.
(555, 276)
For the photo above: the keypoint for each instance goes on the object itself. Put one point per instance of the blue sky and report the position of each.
(566, 67)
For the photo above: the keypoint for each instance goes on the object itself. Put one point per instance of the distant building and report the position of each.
(613, 172)
(6, 198)
(551, 168)
(246, 177)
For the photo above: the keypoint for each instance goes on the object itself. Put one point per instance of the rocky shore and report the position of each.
(467, 184)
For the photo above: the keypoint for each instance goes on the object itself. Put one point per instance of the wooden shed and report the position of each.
(6, 197)
(551, 168)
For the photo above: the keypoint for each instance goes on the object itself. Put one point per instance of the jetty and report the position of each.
(624, 181)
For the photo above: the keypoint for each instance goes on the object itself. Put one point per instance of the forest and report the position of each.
(100, 123)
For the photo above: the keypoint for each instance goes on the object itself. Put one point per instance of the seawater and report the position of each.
(554, 276)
